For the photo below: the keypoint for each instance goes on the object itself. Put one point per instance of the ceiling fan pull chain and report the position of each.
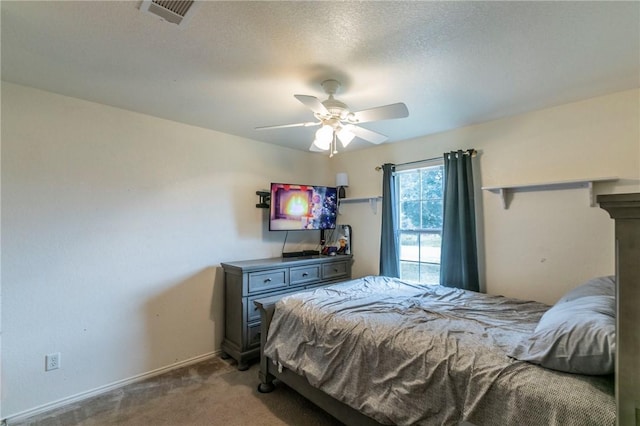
(331, 146)
(335, 144)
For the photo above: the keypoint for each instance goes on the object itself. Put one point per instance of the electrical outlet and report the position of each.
(52, 361)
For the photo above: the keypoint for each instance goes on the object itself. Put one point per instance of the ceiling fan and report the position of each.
(339, 123)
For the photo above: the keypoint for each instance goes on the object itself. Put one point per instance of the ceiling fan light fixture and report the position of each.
(324, 135)
(322, 144)
(338, 122)
(315, 148)
(345, 135)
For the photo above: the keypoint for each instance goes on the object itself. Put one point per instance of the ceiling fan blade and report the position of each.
(368, 135)
(386, 112)
(313, 104)
(282, 126)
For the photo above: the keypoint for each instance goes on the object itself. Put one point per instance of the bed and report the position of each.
(407, 354)
(378, 350)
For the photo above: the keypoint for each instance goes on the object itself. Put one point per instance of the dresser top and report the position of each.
(282, 262)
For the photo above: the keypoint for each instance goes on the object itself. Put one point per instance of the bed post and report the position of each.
(266, 307)
(625, 209)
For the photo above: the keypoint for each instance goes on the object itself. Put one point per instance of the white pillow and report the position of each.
(605, 286)
(574, 336)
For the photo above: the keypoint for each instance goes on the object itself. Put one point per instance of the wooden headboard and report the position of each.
(625, 209)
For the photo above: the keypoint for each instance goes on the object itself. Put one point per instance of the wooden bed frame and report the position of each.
(625, 209)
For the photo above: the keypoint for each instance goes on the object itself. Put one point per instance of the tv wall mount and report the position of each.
(265, 199)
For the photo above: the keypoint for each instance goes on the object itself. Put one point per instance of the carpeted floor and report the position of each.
(212, 392)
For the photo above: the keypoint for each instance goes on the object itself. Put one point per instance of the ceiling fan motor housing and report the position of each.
(336, 108)
(330, 86)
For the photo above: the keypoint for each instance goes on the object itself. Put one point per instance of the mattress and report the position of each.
(408, 354)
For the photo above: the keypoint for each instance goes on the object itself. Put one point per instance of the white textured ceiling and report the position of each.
(237, 64)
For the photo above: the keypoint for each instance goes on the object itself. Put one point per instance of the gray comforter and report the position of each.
(407, 354)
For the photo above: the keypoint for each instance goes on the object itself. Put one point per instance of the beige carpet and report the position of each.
(212, 392)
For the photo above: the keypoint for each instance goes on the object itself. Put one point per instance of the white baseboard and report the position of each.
(23, 415)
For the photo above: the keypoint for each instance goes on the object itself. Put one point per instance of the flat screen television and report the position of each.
(302, 207)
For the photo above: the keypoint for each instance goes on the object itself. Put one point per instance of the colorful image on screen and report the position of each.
(299, 207)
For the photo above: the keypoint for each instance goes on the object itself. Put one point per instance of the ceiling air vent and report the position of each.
(176, 11)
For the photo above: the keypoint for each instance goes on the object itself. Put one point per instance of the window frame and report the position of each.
(418, 232)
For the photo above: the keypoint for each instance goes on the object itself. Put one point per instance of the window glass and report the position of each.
(410, 215)
(410, 271)
(419, 225)
(409, 248)
(430, 248)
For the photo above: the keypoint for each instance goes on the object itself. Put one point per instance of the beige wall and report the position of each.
(113, 224)
(547, 241)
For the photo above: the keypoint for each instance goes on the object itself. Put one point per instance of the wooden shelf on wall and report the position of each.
(504, 190)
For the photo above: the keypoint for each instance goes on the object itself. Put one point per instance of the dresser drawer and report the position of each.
(253, 313)
(335, 270)
(253, 335)
(268, 280)
(304, 274)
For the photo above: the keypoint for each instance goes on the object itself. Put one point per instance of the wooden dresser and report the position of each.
(248, 280)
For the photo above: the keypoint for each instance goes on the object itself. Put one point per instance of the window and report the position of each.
(420, 194)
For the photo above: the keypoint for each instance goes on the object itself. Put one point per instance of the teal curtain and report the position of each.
(389, 260)
(459, 255)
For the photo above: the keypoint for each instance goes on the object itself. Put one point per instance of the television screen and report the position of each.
(299, 207)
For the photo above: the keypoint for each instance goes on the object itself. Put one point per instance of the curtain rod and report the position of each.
(472, 152)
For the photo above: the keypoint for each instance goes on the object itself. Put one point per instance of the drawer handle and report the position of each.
(335, 269)
(268, 280)
(305, 274)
